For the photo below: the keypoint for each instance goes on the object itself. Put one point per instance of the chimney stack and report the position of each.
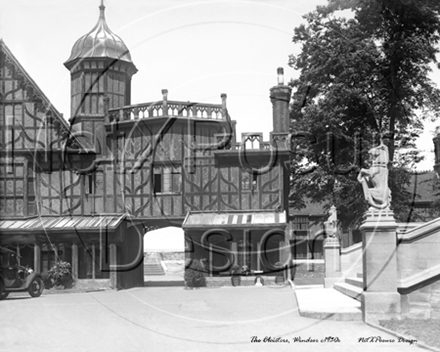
(280, 98)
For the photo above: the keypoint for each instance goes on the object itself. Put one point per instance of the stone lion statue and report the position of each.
(375, 179)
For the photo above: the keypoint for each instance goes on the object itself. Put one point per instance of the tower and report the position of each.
(100, 67)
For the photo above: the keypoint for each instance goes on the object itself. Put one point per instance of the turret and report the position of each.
(101, 69)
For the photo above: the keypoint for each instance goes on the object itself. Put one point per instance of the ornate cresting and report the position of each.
(375, 179)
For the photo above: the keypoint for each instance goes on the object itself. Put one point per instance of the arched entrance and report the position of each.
(164, 251)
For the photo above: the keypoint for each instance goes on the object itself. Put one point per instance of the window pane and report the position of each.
(19, 171)
(166, 180)
(10, 188)
(19, 187)
(157, 183)
(99, 183)
(177, 183)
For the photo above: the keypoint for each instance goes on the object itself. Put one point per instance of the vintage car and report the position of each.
(17, 278)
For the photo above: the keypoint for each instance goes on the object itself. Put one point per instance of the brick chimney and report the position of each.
(280, 98)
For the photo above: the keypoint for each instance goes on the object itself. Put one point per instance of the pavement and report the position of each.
(174, 319)
(326, 303)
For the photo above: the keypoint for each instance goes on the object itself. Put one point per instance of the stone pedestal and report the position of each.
(332, 261)
(380, 299)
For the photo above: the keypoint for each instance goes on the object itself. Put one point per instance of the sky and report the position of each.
(195, 49)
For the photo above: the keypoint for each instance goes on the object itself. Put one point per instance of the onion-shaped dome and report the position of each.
(100, 42)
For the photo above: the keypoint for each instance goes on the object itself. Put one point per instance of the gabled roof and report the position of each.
(57, 120)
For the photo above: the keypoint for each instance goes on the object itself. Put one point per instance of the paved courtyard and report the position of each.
(174, 319)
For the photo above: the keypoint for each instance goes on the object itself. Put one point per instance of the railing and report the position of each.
(168, 109)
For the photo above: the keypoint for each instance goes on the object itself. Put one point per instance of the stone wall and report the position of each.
(423, 302)
(418, 263)
(351, 260)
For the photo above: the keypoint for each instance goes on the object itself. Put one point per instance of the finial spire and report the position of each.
(101, 9)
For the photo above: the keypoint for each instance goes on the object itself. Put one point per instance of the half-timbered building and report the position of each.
(87, 190)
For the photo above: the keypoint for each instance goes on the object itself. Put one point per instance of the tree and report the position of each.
(363, 76)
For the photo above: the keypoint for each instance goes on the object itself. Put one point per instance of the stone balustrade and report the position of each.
(168, 109)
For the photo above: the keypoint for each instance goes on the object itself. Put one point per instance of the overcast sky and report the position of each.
(195, 49)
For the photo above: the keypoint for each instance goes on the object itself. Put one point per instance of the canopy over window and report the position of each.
(236, 219)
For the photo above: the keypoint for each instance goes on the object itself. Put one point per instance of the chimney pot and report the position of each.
(280, 72)
(223, 96)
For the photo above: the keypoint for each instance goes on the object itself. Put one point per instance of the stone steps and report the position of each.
(355, 281)
(165, 283)
(153, 269)
(349, 290)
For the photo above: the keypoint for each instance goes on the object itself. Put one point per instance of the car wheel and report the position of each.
(36, 288)
(4, 295)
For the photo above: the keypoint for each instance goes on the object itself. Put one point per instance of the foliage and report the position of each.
(236, 269)
(194, 274)
(60, 274)
(363, 76)
(48, 284)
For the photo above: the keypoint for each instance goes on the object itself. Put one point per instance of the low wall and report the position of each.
(418, 262)
(422, 302)
(351, 260)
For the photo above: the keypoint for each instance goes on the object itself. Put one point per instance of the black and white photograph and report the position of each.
(219, 175)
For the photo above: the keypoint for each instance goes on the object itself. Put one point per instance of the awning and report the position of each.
(59, 223)
(238, 219)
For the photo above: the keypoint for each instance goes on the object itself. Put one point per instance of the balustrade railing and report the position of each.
(168, 109)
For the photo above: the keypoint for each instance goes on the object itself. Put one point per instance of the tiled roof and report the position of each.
(234, 219)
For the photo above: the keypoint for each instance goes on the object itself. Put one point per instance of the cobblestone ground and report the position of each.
(174, 319)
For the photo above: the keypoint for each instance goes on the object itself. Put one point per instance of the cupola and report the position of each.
(100, 42)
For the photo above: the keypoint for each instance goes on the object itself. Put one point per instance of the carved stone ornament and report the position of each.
(375, 179)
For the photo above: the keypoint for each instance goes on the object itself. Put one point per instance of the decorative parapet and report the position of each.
(167, 108)
(280, 139)
(254, 141)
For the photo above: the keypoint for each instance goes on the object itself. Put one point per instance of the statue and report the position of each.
(375, 179)
(331, 225)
